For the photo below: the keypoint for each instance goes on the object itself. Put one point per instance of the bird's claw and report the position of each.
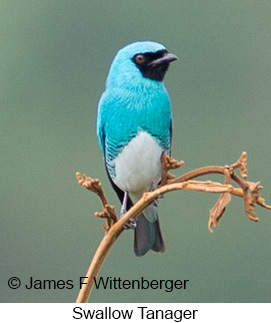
(155, 203)
(151, 189)
(131, 224)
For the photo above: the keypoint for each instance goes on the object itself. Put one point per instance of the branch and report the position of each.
(249, 191)
(95, 186)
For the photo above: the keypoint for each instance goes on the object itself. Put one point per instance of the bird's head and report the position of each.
(139, 62)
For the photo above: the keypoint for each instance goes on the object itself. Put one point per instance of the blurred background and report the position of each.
(54, 60)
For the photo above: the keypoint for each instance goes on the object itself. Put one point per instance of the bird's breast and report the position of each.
(138, 166)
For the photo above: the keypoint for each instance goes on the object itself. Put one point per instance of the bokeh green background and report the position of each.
(54, 58)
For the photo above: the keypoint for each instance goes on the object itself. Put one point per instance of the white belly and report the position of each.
(138, 166)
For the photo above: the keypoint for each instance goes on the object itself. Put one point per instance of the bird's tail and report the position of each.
(148, 233)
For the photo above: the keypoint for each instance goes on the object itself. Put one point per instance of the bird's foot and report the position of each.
(123, 209)
(131, 224)
(151, 189)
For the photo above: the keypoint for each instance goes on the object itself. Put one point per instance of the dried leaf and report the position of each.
(249, 204)
(218, 210)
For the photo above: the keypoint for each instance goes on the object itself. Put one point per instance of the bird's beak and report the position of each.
(167, 58)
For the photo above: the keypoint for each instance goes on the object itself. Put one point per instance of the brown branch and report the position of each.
(249, 191)
(115, 231)
(249, 199)
(95, 186)
(168, 164)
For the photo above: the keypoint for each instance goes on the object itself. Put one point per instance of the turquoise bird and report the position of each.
(134, 128)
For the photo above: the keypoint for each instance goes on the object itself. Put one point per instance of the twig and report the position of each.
(95, 186)
(249, 191)
(115, 231)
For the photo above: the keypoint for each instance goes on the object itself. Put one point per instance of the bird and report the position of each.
(134, 128)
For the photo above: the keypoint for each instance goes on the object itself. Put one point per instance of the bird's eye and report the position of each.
(140, 59)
